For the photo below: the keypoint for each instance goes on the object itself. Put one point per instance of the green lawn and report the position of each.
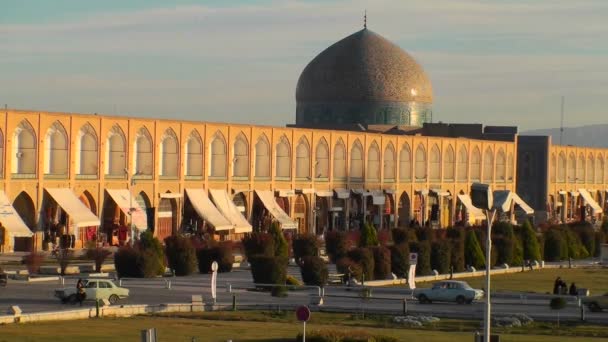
(594, 279)
(264, 326)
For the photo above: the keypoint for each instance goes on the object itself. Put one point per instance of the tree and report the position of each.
(400, 259)
(336, 245)
(423, 249)
(365, 258)
(382, 262)
(473, 254)
(530, 243)
(369, 236)
(281, 247)
(181, 255)
(441, 255)
(305, 245)
(314, 271)
(556, 248)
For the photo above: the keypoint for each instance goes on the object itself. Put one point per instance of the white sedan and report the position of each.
(95, 289)
(449, 291)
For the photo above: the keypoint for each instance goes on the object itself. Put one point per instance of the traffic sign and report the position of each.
(303, 313)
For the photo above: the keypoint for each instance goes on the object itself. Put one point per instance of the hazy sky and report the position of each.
(494, 62)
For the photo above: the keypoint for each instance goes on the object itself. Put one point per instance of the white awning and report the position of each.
(362, 192)
(123, 200)
(230, 211)
(170, 195)
(307, 191)
(440, 193)
(342, 193)
(422, 192)
(562, 192)
(325, 193)
(11, 220)
(522, 204)
(271, 205)
(79, 214)
(574, 193)
(590, 201)
(378, 197)
(205, 209)
(286, 193)
(474, 212)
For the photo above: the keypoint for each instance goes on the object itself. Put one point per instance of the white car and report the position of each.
(95, 289)
(449, 291)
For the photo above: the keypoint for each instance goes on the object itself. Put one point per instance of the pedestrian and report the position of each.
(573, 291)
(80, 292)
(563, 288)
(557, 285)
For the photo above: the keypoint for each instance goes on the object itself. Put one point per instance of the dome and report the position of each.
(363, 78)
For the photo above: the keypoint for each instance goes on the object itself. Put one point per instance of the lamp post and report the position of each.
(131, 209)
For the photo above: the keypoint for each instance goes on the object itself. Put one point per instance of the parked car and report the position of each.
(95, 289)
(449, 291)
(596, 303)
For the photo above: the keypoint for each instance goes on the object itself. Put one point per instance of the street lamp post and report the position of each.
(131, 209)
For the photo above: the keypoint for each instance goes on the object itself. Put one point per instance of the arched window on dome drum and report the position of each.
(24, 149)
(420, 171)
(561, 168)
(88, 163)
(488, 166)
(56, 145)
(169, 155)
(116, 154)
(448, 164)
(240, 166)
(194, 155)
(283, 162)
(339, 161)
(501, 166)
(373, 163)
(405, 163)
(571, 168)
(218, 160)
(580, 169)
(322, 160)
(143, 153)
(262, 158)
(389, 163)
(599, 169)
(590, 169)
(510, 166)
(303, 159)
(476, 165)
(462, 164)
(435, 164)
(356, 162)
(553, 169)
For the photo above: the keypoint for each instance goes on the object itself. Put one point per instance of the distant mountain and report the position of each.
(593, 135)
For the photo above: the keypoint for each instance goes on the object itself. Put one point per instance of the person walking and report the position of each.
(573, 290)
(557, 285)
(80, 292)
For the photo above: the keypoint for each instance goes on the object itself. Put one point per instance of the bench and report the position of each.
(335, 278)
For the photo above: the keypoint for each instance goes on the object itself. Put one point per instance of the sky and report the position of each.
(502, 62)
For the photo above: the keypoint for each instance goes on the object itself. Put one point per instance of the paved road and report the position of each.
(36, 297)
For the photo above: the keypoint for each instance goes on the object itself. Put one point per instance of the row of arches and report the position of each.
(590, 169)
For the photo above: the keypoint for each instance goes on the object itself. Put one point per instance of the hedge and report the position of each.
(365, 258)
(382, 262)
(347, 266)
(504, 248)
(258, 244)
(556, 247)
(269, 269)
(457, 257)
(473, 254)
(369, 236)
(305, 245)
(181, 255)
(221, 253)
(314, 271)
(336, 245)
(400, 259)
(400, 235)
(343, 336)
(423, 248)
(441, 255)
(530, 243)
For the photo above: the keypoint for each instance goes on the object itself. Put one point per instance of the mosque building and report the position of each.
(363, 148)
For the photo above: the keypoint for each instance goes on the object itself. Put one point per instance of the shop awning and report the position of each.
(522, 204)
(80, 215)
(170, 195)
(205, 209)
(473, 211)
(325, 193)
(230, 211)
(590, 201)
(361, 192)
(11, 220)
(305, 191)
(378, 197)
(440, 193)
(562, 192)
(502, 200)
(123, 200)
(286, 193)
(342, 193)
(267, 198)
(422, 192)
(574, 193)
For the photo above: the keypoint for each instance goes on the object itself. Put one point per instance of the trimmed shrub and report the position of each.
(281, 247)
(269, 270)
(369, 236)
(382, 262)
(336, 245)
(504, 250)
(305, 245)
(348, 267)
(153, 250)
(457, 257)
(258, 244)
(530, 244)
(502, 229)
(518, 253)
(343, 336)
(400, 235)
(181, 255)
(473, 254)
(314, 271)
(423, 248)
(128, 262)
(441, 254)
(221, 253)
(365, 258)
(586, 235)
(600, 238)
(98, 255)
(556, 248)
(576, 250)
(400, 259)
(425, 234)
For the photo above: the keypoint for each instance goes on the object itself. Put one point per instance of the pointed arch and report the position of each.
(169, 154)
(56, 142)
(462, 165)
(194, 154)
(116, 152)
(339, 161)
(322, 160)
(356, 161)
(599, 169)
(262, 157)
(580, 168)
(1, 154)
(488, 165)
(143, 158)
(501, 166)
(303, 159)
(25, 149)
(240, 159)
(88, 154)
(561, 167)
(373, 162)
(217, 158)
(405, 163)
(553, 168)
(389, 163)
(420, 172)
(435, 164)
(510, 166)
(476, 165)
(590, 174)
(448, 164)
(283, 158)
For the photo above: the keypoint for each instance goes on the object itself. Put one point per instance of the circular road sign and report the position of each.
(303, 313)
(214, 266)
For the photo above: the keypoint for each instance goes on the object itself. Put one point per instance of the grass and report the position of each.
(594, 279)
(277, 326)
